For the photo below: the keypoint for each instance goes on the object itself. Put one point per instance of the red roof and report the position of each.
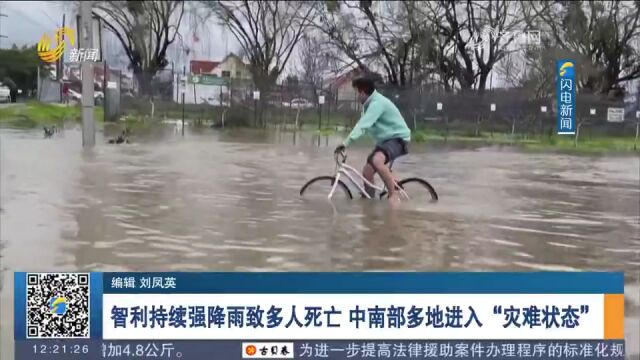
(345, 78)
(203, 66)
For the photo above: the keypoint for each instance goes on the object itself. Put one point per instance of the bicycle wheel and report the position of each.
(414, 187)
(324, 184)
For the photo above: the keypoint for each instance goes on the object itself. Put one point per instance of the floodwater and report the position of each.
(229, 201)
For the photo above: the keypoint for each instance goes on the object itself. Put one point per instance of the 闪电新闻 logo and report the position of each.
(58, 305)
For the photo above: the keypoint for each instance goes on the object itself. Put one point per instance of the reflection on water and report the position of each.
(229, 201)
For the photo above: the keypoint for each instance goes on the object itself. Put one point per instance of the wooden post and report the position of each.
(415, 127)
(446, 134)
(224, 112)
(578, 133)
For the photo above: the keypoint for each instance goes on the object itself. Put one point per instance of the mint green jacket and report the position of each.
(381, 119)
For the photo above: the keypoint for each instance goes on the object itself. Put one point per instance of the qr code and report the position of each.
(58, 305)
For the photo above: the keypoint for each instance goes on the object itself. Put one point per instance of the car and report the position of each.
(214, 101)
(299, 103)
(97, 95)
(73, 95)
(5, 93)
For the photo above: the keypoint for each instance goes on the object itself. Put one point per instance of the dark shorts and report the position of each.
(392, 149)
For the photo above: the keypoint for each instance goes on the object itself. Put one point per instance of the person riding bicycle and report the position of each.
(382, 120)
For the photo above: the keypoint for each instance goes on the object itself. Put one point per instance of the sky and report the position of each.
(26, 21)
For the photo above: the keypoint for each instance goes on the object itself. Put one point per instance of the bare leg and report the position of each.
(385, 173)
(369, 172)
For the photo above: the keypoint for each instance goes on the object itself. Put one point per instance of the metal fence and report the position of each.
(297, 104)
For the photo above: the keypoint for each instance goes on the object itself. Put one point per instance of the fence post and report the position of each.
(119, 112)
(635, 142)
(446, 124)
(319, 119)
(104, 91)
(184, 91)
(415, 125)
(580, 122)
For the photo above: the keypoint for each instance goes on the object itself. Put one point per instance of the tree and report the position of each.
(145, 29)
(510, 70)
(479, 35)
(267, 31)
(601, 35)
(369, 34)
(19, 68)
(314, 63)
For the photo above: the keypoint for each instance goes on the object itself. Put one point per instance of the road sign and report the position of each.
(321, 99)
(543, 109)
(592, 111)
(206, 79)
(256, 95)
(615, 114)
(637, 114)
(439, 106)
(112, 85)
(493, 107)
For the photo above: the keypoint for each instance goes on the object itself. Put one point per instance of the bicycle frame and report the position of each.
(348, 171)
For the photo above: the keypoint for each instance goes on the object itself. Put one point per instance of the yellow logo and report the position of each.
(44, 45)
(563, 68)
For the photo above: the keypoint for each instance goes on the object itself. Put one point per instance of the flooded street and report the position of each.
(229, 201)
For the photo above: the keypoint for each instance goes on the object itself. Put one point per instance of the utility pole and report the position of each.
(88, 121)
(2, 36)
(60, 64)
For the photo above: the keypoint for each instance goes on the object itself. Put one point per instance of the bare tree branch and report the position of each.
(145, 31)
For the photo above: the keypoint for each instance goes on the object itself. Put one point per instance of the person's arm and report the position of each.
(367, 120)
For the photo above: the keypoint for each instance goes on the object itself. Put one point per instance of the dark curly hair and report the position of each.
(364, 84)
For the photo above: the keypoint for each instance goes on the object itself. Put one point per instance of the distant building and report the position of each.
(344, 93)
(199, 67)
(231, 66)
(207, 81)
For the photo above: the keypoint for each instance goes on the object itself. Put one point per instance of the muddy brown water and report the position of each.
(229, 200)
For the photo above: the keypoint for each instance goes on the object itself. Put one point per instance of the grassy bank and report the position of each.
(33, 113)
(592, 144)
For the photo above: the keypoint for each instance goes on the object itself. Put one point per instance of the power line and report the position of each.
(2, 36)
(27, 17)
(49, 17)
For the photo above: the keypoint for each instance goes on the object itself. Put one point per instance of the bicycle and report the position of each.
(345, 170)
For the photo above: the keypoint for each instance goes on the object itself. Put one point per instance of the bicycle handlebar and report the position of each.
(340, 157)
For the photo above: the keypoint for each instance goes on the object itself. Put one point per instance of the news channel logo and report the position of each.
(62, 36)
(530, 38)
(566, 69)
(58, 305)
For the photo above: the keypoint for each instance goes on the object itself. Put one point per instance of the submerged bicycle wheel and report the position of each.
(321, 186)
(416, 188)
